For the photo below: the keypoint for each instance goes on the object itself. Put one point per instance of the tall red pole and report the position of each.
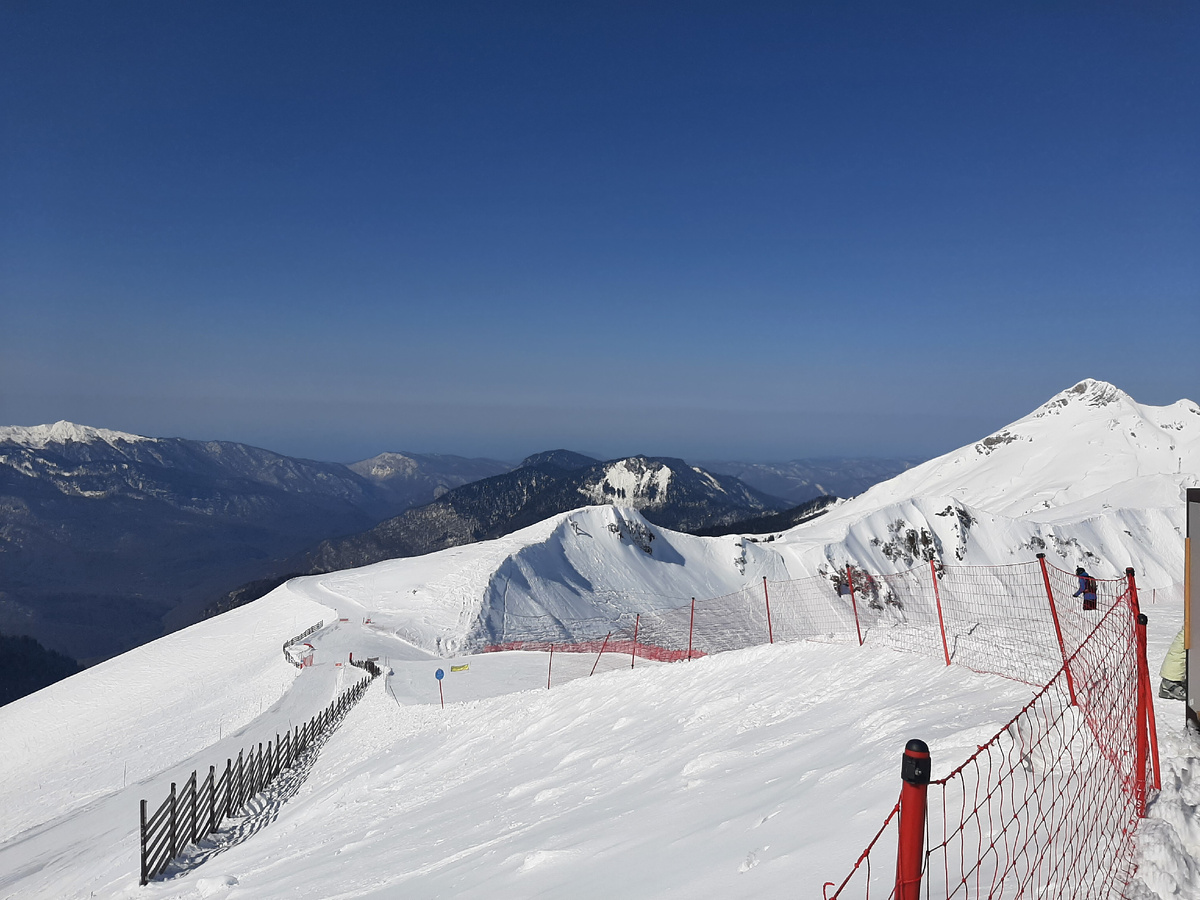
(600, 654)
(691, 627)
(767, 597)
(910, 853)
(441, 696)
(937, 596)
(853, 602)
(550, 668)
(1062, 646)
(1147, 728)
(633, 653)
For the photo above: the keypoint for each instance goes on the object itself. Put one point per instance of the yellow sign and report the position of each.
(461, 668)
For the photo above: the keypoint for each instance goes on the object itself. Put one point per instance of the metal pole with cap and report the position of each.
(914, 772)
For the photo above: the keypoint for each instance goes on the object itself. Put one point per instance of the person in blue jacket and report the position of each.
(1087, 587)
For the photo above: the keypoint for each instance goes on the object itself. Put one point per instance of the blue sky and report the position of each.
(739, 230)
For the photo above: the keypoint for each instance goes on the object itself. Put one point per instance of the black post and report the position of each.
(194, 810)
(171, 844)
(145, 876)
(212, 800)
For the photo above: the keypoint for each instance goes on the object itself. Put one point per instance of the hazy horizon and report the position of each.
(765, 232)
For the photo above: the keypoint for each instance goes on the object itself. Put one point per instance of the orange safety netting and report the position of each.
(1047, 807)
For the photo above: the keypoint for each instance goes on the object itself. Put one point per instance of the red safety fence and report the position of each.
(1047, 807)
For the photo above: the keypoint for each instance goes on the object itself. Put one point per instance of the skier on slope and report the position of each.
(1087, 587)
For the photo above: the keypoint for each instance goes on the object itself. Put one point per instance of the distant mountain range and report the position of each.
(806, 479)
(109, 539)
(667, 491)
(410, 479)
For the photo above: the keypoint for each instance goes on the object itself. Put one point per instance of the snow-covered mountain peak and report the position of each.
(636, 481)
(1085, 442)
(385, 466)
(62, 432)
(1090, 392)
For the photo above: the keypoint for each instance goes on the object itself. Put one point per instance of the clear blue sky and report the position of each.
(740, 230)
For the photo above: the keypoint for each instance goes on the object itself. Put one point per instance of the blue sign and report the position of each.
(439, 674)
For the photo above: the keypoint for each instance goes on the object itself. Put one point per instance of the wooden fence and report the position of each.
(189, 815)
(297, 639)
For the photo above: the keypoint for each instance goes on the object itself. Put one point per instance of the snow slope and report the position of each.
(1101, 468)
(1090, 478)
(762, 771)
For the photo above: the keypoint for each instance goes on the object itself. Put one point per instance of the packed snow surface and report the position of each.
(763, 770)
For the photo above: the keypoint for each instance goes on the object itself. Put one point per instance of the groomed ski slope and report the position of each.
(756, 772)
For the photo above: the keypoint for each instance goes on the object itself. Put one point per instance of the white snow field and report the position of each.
(757, 772)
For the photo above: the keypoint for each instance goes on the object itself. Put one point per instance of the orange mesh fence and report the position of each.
(1048, 807)
(990, 619)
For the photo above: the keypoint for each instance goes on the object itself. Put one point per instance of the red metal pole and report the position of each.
(853, 602)
(937, 596)
(767, 597)
(691, 626)
(600, 654)
(633, 653)
(441, 696)
(1147, 727)
(550, 668)
(1062, 646)
(910, 853)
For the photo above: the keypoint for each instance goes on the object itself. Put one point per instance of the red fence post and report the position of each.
(910, 854)
(937, 596)
(550, 668)
(854, 603)
(767, 597)
(633, 652)
(1147, 728)
(600, 654)
(1062, 646)
(691, 626)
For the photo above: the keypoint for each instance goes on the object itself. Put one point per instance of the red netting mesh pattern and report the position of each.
(990, 619)
(1048, 806)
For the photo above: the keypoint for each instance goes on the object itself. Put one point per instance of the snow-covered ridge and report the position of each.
(386, 465)
(632, 481)
(1082, 444)
(62, 432)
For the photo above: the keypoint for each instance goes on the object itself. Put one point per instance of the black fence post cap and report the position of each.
(1041, 556)
(1129, 570)
(916, 767)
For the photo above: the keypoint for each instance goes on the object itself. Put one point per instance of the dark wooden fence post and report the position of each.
(212, 800)
(145, 877)
(171, 842)
(194, 817)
